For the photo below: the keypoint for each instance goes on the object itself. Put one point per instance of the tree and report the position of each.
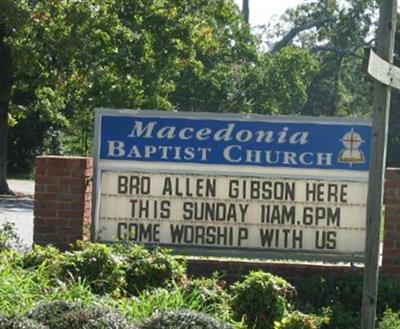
(12, 16)
(335, 32)
(192, 55)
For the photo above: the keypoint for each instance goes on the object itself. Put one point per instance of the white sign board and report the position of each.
(244, 208)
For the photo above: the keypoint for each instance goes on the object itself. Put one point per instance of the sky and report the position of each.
(261, 11)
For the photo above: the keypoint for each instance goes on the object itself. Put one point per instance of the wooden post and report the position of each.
(246, 10)
(385, 46)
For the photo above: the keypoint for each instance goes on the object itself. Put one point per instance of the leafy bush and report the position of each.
(261, 299)
(64, 315)
(13, 322)
(332, 290)
(92, 317)
(10, 258)
(39, 255)
(298, 320)
(8, 237)
(341, 318)
(96, 264)
(149, 269)
(388, 294)
(49, 313)
(183, 319)
(390, 320)
(209, 291)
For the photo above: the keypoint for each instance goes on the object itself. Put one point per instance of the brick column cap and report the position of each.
(62, 157)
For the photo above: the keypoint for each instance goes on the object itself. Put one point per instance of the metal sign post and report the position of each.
(385, 77)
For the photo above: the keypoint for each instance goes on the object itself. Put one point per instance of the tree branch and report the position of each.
(338, 51)
(296, 30)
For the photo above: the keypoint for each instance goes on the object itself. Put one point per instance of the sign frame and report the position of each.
(303, 255)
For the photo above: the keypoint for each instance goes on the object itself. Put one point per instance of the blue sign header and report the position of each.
(263, 142)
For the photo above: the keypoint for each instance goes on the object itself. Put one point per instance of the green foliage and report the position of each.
(289, 76)
(390, 320)
(149, 269)
(192, 55)
(388, 294)
(90, 317)
(96, 264)
(183, 319)
(211, 293)
(19, 288)
(8, 237)
(298, 320)
(50, 313)
(261, 299)
(14, 322)
(61, 314)
(42, 255)
(332, 290)
(340, 317)
(336, 33)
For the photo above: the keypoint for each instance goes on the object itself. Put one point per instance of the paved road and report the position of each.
(19, 210)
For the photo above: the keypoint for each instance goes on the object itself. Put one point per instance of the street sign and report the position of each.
(238, 185)
(383, 71)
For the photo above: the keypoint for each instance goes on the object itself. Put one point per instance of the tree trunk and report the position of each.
(5, 92)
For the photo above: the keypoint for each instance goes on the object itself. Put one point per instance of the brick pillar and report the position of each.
(391, 243)
(63, 193)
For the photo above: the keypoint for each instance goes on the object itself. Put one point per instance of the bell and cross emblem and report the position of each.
(351, 152)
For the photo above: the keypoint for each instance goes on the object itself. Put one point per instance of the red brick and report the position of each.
(40, 171)
(45, 197)
(57, 222)
(58, 171)
(45, 213)
(48, 161)
(78, 189)
(392, 173)
(45, 229)
(70, 214)
(69, 197)
(71, 181)
(77, 205)
(388, 244)
(40, 188)
(46, 180)
(392, 210)
(58, 205)
(58, 188)
(392, 183)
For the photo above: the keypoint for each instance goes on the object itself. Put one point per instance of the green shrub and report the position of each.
(388, 294)
(183, 319)
(209, 291)
(10, 258)
(332, 290)
(65, 315)
(8, 237)
(261, 299)
(49, 313)
(151, 269)
(298, 320)
(390, 320)
(13, 322)
(48, 255)
(341, 318)
(92, 317)
(96, 264)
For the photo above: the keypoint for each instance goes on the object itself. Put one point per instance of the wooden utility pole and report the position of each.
(385, 46)
(246, 10)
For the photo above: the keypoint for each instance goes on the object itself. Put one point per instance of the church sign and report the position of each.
(232, 184)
